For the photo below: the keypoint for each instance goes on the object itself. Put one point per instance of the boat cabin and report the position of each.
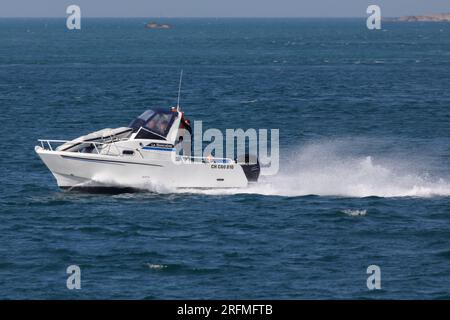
(162, 126)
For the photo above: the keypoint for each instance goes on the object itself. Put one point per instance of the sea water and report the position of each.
(364, 176)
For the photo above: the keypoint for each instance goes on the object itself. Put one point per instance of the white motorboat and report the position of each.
(150, 151)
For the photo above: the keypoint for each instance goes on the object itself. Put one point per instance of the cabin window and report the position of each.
(147, 134)
(153, 124)
(159, 123)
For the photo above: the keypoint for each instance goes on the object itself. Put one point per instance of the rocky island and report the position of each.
(154, 25)
(439, 17)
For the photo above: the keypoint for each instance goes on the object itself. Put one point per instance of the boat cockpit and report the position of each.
(153, 124)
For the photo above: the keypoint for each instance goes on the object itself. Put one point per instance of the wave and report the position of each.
(128, 183)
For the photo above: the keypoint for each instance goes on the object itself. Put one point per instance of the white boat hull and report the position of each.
(91, 170)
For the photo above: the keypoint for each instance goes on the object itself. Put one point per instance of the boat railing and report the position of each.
(191, 159)
(47, 144)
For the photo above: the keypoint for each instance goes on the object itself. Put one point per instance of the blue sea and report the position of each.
(364, 179)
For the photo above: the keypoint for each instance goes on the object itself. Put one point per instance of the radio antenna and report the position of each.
(179, 91)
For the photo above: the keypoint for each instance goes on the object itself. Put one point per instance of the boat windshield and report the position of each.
(155, 124)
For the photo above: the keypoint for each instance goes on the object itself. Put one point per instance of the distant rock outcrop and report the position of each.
(439, 17)
(154, 25)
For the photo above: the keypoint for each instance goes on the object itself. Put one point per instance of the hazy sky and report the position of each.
(219, 8)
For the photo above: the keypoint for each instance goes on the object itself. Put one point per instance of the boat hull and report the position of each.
(74, 170)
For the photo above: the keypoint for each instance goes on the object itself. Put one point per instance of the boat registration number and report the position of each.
(222, 166)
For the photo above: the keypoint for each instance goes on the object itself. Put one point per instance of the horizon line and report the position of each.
(189, 17)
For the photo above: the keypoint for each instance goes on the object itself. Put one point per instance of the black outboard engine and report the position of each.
(250, 165)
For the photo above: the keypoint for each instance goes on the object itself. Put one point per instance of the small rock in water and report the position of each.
(154, 25)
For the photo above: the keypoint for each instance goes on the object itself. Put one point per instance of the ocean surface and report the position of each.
(364, 120)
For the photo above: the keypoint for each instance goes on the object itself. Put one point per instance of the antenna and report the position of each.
(179, 91)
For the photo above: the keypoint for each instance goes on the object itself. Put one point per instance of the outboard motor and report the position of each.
(250, 165)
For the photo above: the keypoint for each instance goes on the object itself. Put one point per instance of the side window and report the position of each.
(146, 134)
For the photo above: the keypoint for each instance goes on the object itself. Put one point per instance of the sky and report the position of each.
(220, 8)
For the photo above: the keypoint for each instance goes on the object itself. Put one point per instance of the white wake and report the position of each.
(328, 169)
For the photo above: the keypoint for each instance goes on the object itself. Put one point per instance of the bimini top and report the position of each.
(153, 124)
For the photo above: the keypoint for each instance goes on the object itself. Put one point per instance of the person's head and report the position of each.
(151, 124)
(163, 127)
